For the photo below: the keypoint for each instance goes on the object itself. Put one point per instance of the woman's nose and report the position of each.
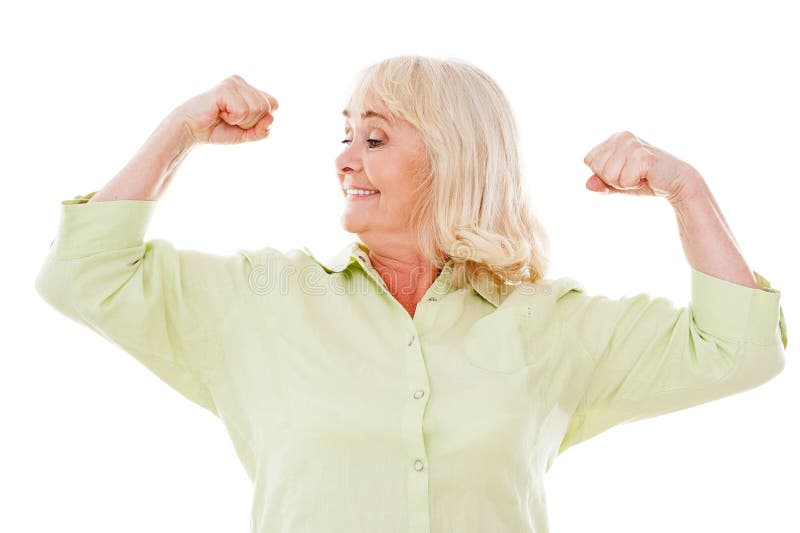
(347, 162)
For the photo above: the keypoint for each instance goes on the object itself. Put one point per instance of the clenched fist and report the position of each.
(232, 112)
(626, 164)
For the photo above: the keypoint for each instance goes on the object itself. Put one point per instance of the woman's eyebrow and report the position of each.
(367, 114)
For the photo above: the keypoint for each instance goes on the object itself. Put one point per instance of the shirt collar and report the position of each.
(358, 252)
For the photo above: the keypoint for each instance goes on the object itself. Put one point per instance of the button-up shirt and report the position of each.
(351, 416)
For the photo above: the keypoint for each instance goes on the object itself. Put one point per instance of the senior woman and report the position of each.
(425, 378)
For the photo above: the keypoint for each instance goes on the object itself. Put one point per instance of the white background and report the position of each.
(94, 443)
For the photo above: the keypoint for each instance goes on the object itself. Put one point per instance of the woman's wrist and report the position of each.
(175, 125)
(690, 187)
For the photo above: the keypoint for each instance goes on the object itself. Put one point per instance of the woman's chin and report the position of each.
(352, 223)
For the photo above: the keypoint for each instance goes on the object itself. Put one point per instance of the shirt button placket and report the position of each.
(413, 435)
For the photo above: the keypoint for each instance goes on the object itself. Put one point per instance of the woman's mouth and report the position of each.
(360, 194)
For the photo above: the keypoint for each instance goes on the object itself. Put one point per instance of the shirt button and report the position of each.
(418, 465)
(419, 394)
(411, 341)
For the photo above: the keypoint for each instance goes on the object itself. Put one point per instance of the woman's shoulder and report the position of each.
(547, 291)
(291, 267)
(267, 256)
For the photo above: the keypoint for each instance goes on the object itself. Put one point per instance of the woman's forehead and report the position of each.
(360, 108)
(365, 102)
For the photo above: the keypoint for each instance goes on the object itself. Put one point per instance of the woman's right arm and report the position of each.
(230, 113)
(158, 303)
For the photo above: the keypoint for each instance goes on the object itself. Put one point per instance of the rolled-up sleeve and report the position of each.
(146, 297)
(647, 357)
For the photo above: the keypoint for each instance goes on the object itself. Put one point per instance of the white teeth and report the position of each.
(360, 192)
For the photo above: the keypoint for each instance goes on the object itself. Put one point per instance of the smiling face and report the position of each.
(386, 155)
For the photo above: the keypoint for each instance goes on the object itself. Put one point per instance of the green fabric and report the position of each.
(349, 415)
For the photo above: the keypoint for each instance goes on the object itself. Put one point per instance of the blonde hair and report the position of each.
(473, 208)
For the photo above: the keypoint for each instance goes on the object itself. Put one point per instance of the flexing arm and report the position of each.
(159, 303)
(230, 113)
(626, 164)
(645, 355)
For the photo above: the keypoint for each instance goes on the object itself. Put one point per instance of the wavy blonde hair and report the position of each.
(473, 208)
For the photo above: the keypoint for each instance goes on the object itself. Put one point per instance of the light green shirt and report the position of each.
(350, 416)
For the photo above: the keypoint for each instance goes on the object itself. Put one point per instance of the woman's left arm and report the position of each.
(646, 355)
(627, 164)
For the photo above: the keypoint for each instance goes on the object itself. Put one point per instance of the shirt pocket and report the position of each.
(512, 339)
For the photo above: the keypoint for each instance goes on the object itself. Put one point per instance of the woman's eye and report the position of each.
(378, 143)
